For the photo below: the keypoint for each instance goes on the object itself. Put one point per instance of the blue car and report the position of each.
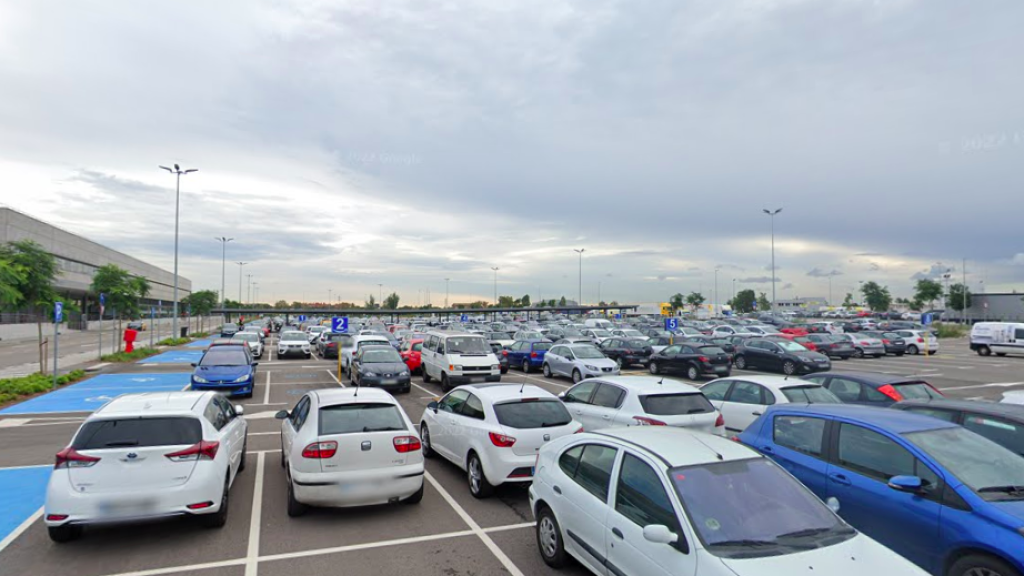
(528, 355)
(944, 497)
(226, 368)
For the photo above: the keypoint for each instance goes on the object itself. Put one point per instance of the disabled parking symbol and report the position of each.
(99, 399)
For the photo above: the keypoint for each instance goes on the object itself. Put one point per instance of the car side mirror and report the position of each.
(282, 415)
(255, 363)
(563, 397)
(194, 364)
(432, 406)
(833, 504)
(239, 410)
(659, 534)
(910, 484)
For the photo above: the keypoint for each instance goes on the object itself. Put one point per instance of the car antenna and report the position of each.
(521, 388)
(715, 452)
(660, 380)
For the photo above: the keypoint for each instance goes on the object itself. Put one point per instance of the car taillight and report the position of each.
(199, 505)
(885, 342)
(202, 451)
(891, 392)
(56, 517)
(703, 359)
(720, 421)
(920, 340)
(331, 344)
(644, 421)
(69, 458)
(504, 352)
(320, 450)
(501, 441)
(578, 431)
(405, 444)
(865, 343)
(533, 354)
(735, 438)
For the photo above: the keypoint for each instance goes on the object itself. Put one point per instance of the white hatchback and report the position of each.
(494, 431)
(920, 341)
(349, 447)
(742, 399)
(655, 501)
(142, 456)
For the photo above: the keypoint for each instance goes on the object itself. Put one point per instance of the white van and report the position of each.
(599, 323)
(998, 337)
(456, 358)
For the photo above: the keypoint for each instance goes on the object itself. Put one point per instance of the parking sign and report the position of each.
(58, 312)
(671, 323)
(302, 317)
(926, 318)
(339, 324)
(464, 318)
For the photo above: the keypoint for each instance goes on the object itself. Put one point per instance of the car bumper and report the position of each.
(874, 350)
(231, 389)
(811, 367)
(283, 352)
(457, 379)
(632, 359)
(510, 468)
(358, 488)
(397, 382)
(716, 369)
(601, 371)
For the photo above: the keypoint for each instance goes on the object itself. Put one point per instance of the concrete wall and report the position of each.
(30, 332)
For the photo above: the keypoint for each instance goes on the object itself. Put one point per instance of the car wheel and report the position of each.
(549, 539)
(426, 377)
(692, 373)
(740, 362)
(984, 351)
(445, 386)
(978, 565)
(653, 368)
(220, 517)
(415, 498)
(295, 508)
(913, 350)
(479, 487)
(428, 450)
(858, 353)
(526, 366)
(547, 370)
(577, 377)
(788, 368)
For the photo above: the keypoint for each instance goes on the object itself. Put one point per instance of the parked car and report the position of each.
(456, 358)
(741, 400)
(381, 367)
(313, 332)
(891, 341)
(226, 368)
(410, 352)
(832, 345)
(626, 352)
(330, 344)
(503, 338)
(919, 341)
(138, 325)
(252, 340)
(998, 337)
(641, 401)
(597, 335)
(528, 355)
(148, 456)
(874, 388)
(726, 331)
(864, 345)
(228, 329)
(494, 431)
(293, 342)
(345, 447)
(936, 493)
(501, 354)
(528, 336)
(578, 361)
(1002, 423)
(783, 356)
(653, 501)
(692, 360)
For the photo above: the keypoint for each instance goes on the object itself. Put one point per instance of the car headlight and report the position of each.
(403, 373)
(495, 366)
(370, 374)
(589, 367)
(200, 380)
(241, 379)
(458, 367)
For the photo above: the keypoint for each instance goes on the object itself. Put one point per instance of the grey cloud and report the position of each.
(758, 280)
(819, 273)
(934, 272)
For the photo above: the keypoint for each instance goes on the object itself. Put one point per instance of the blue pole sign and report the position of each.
(464, 318)
(302, 317)
(926, 318)
(339, 324)
(671, 324)
(58, 312)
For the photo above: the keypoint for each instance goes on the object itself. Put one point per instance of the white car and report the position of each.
(629, 333)
(762, 330)
(345, 447)
(653, 501)
(253, 340)
(313, 332)
(293, 342)
(863, 345)
(742, 399)
(727, 331)
(578, 361)
(919, 341)
(151, 455)
(641, 401)
(597, 335)
(494, 431)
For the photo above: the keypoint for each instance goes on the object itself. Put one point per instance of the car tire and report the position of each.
(65, 533)
(426, 377)
(978, 564)
(445, 386)
(415, 498)
(577, 376)
(984, 351)
(295, 508)
(789, 368)
(913, 350)
(858, 353)
(692, 373)
(549, 539)
(547, 370)
(479, 487)
(653, 368)
(740, 362)
(219, 518)
(428, 450)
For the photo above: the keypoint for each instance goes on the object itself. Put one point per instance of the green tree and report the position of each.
(561, 301)
(281, 304)
(695, 299)
(926, 291)
(11, 276)
(391, 301)
(744, 301)
(613, 303)
(371, 303)
(123, 291)
(676, 301)
(876, 296)
(38, 271)
(201, 303)
(956, 298)
(297, 305)
(505, 302)
(763, 304)
(848, 301)
(525, 301)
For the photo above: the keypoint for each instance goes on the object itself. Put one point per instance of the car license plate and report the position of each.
(721, 368)
(126, 508)
(389, 381)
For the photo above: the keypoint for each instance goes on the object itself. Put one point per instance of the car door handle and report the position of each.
(839, 479)
(607, 416)
(557, 490)
(767, 449)
(618, 533)
(756, 413)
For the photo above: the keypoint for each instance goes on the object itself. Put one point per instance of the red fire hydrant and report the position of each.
(129, 339)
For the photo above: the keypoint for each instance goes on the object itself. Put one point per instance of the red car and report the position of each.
(806, 342)
(795, 331)
(410, 353)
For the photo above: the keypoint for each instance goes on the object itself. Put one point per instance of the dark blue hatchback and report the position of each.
(226, 368)
(944, 497)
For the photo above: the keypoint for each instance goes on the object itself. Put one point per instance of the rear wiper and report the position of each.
(696, 411)
(122, 443)
(552, 424)
(381, 429)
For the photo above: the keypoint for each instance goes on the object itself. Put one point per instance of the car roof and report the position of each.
(354, 395)
(897, 421)
(773, 382)
(151, 403)
(645, 384)
(1015, 411)
(499, 392)
(873, 378)
(679, 446)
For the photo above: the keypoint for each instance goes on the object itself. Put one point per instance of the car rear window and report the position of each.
(138, 432)
(676, 404)
(916, 391)
(336, 337)
(363, 417)
(711, 350)
(810, 395)
(532, 413)
(542, 346)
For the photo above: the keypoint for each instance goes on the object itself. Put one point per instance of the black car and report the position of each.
(782, 356)
(380, 366)
(627, 351)
(501, 354)
(328, 346)
(874, 388)
(831, 346)
(1000, 423)
(691, 359)
(894, 343)
(228, 330)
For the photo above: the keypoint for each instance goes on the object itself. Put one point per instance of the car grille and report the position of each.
(469, 369)
(607, 369)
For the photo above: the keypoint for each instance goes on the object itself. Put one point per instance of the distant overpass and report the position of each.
(445, 313)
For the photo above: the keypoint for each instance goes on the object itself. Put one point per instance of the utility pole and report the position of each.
(963, 269)
(248, 289)
(580, 252)
(223, 271)
(446, 281)
(772, 214)
(240, 264)
(495, 268)
(177, 205)
(380, 303)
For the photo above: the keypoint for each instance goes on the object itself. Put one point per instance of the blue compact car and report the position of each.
(944, 497)
(528, 354)
(227, 368)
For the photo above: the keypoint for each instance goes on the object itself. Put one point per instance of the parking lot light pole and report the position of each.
(240, 264)
(446, 281)
(177, 204)
(495, 268)
(772, 214)
(580, 252)
(715, 311)
(223, 271)
(380, 303)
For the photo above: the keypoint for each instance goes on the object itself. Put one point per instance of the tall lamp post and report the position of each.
(580, 252)
(380, 303)
(446, 281)
(240, 264)
(772, 214)
(223, 271)
(177, 205)
(716, 310)
(495, 268)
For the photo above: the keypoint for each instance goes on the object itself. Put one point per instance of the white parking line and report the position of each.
(335, 378)
(266, 393)
(12, 422)
(21, 528)
(26, 466)
(252, 555)
(261, 433)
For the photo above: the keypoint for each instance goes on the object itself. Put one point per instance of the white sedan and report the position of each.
(741, 400)
(151, 455)
(656, 501)
(345, 447)
(494, 431)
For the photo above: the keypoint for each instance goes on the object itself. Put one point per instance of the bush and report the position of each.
(173, 341)
(200, 334)
(12, 388)
(950, 330)
(137, 354)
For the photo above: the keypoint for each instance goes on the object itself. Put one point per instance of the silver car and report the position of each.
(864, 345)
(578, 361)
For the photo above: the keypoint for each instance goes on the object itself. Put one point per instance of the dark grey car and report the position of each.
(381, 367)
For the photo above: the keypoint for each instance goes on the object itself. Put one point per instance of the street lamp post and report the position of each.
(240, 264)
(772, 214)
(255, 291)
(495, 268)
(177, 205)
(716, 290)
(223, 271)
(734, 293)
(580, 252)
(380, 303)
(446, 281)
(248, 289)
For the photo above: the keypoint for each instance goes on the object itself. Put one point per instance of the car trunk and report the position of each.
(534, 422)
(364, 435)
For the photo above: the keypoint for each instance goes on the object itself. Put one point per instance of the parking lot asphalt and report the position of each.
(449, 533)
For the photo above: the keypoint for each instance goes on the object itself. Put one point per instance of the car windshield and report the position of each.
(294, 336)
(380, 356)
(981, 464)
(917, 391)
(344, 338)
(587, 352)
(570, 333)
(676, 404)
(224, 356)
(353, 418)
(790, 346)
(633, 333)
(467, 345)
(810, 395)
(532, 413)
(711, 350)
(751, 508)
(530, 336)
(246, 337)
(498, 336)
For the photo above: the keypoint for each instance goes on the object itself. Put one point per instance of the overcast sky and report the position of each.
(346, 144)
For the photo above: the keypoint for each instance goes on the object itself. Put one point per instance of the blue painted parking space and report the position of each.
(22, 492)
(204, 343)
(91, 394)
(174, 357)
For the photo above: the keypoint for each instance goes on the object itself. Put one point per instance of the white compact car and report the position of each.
(293, 342)
(494, 431)
(345, 447)
(654, 501)
(578, 361)
(253, 340)
(143, 456)
(919, 341)
(741, 400)
(314, 332)
(641, 401)
(864, 345)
